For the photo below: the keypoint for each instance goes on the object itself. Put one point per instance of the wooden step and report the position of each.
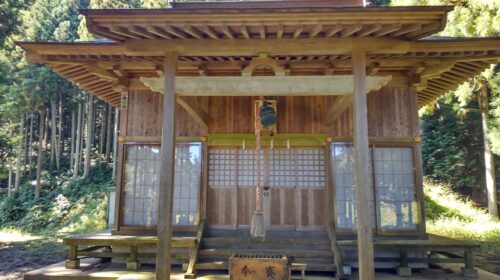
(212, 265)
(245, 233)
(287, 252)
(264, 247)
(225, 265)
(237, 240)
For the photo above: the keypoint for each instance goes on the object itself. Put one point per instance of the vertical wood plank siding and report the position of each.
(389, 115)
(145, 111)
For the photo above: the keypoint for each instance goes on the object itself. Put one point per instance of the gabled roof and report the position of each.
(246, 21)
(220, 40)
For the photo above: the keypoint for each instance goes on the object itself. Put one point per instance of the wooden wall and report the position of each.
(390, 114)
(144, 113)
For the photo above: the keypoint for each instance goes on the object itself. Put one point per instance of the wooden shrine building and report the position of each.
(346, 82)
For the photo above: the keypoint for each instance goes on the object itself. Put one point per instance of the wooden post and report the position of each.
(115, 141)
(361, 174)
(164, 245)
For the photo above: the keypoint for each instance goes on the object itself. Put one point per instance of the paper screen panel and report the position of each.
(310, 168)
(345, 191)
(282, 168)
(186, 184)
(396, 199)
(222, 167)
(141, 185)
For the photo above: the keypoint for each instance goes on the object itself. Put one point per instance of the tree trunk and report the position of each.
(72, 139)
(489, 165)
(88, 146)
(30, 143)
(41, 132)
(60, 138)
(25, 146)
(54, 143)
(108, 131)
(9, 184)
(84, 128)
(76, 165)
(104, 128)
(46, 126)
(115, 141)
(20, 154)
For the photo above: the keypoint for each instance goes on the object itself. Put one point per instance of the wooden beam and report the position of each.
(104, 74)
(265, 85)
(193, 107)
(175, 31)
(140, 31)
(159, 32)
(369, 30)
(279, 31)
(262, 31)
(373, 68)
(335, 109)
(350, 30)
(387, 29)
(436, 71)
(406, 30)
(227, 31)
(210, 32)
(244, 32)
(192, 31)
(334, 30)
(251, 47)
(167, 163)
(361, 161)
(124, 32)
(316, 30)
(298, 31)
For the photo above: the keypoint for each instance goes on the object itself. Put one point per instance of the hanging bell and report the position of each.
(267, 114)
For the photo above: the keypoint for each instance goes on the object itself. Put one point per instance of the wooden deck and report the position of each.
(457, 251)
(312, 249)
(103, 245)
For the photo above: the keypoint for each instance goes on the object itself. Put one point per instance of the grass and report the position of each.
(12, 235)
(452, 215)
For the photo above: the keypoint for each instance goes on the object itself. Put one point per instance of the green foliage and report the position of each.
(452, 146)
(65, 206)
(9, 13)
(453, 215)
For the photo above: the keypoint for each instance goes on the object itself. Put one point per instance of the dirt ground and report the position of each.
(18, 257)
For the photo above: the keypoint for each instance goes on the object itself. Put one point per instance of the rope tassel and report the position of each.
(258, 227)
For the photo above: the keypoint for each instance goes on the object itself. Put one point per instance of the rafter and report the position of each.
(298, 31)
(244, 31)
(316, 30)
(350, 30)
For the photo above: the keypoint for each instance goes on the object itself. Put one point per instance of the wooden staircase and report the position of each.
(311, 248)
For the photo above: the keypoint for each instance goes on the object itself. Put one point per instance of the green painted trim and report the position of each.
(279, 140)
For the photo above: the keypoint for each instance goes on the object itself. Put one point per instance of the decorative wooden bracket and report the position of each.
(263, 60)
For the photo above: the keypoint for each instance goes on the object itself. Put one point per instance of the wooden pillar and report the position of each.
(361, 174)
(166, 193)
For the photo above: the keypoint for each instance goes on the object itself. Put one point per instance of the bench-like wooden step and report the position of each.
(210, 265)
(288, 252)
(235, 240)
